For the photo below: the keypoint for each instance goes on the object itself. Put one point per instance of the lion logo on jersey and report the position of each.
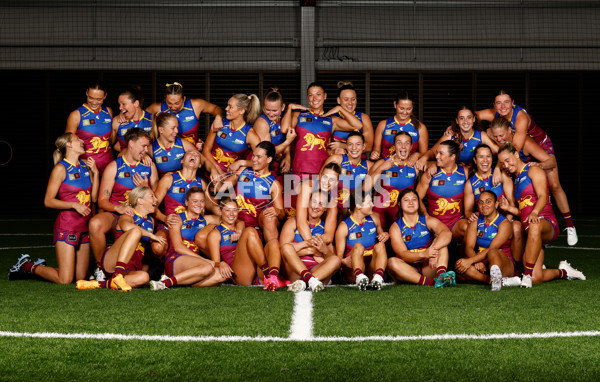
(221, 157)
(343, 196)
(392, 201)
(525, 202)
(392, 151)
(179, 209)
(83, 197)
(312, 141)
(243, 205)
(98, 145)
(126, 196)
(445, 205)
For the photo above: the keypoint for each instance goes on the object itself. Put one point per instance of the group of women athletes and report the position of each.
(298, 195)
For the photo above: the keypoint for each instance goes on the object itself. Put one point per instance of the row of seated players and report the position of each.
(237, 252)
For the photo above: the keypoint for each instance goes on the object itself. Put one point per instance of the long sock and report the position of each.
(119, 268)
(528, 269)
(357, 272)
(273, 271)
(441, 269)
(29, 267)
(170, 281)
(563, 274)
(104, 284)
(306, 276)
(426, 281)
(379, 272)
(568, 220)
(264, 268)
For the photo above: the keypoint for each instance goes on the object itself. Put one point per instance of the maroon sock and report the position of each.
(357, 272)
(563, 274)
(441, 269)
(528, 269)
(568, 220)
(426, 281)
(379, 272)
(104, 284)
(274, 271)
(170, 281)
(119, 268)
(488, 279)
(306, 276)
(28, 267)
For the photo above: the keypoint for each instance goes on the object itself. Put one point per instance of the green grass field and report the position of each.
(208, 316)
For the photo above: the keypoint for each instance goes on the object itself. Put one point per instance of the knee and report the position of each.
(335, 261)
(358, 248)
(141, 278)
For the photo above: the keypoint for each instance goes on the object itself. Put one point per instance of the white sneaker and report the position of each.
(98, 275)
(511, 281)
(377, 282)
(526, 281)
(315, 285)
(163, 277)
(572, 273)
(157, 285)
(362, 281)
(496, 275)
(297, 286)
(572, 238)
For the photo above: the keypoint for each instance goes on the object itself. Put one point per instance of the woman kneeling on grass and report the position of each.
(310, 262)
(360, 243)
(188, 231)
(420, 243)
(236, 256)
(122, 261)
(72, 186)
(488, 239)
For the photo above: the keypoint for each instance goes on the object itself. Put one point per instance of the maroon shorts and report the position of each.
(73, 238)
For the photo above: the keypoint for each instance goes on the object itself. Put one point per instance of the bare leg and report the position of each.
(100, 225)
(190, 270)
(249, 255)
(159, 249)
(517, 243)
(270, 227)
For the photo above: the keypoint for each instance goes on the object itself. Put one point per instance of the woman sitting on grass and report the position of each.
(122, 261)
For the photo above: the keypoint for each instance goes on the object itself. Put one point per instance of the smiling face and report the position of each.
(347, 100)
(483, 160)
(366, 207)
(260, 160)
(191, 159)
(404, 109)
(76, 145)
(410, 203)
(169, 129)
(273, 109)
(487, 205)
(318, 205)
(328, 180)
(501, 135)
(229, 213)
(443, 158)
(355, 146)
(509, 161)
(465, 120)
(95, 98)
(316, 97)
(127, 107)
(138, 149)
(403, 145)
(174, 102)
(503, 105)
(148, 202)
(233, 111)
(196, 202)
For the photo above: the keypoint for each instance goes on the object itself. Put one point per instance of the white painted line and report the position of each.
(35, 246)
(25, 234)
(433, 337)
(580, 248)
(301, 328)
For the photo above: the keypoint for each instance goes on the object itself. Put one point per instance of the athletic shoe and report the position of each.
(297, 286)
(377, 282)
(163, 277)
(446, 279)
(496, 275)
(17, 272)
(526, 281)
(119, 283)
(572, 238)
(87, 284)
(451, 277)
(315, 285)
(511, 281)
(157, 285)
(572, 273)
(271, 283)
(41, 262)
(98, 275)
(362, 281)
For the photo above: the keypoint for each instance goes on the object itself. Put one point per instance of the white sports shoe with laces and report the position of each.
(572, 273)
(496, 275)
(511, 281)
(526, 281)
(362, 281)
(315, 285)
(572, 238)
(297, 286)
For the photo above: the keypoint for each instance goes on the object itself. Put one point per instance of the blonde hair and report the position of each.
(61, 147)
(160, 120)
(251, 104)
(500, 122)
(136, 194)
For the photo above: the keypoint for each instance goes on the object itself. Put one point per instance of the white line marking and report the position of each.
(580, 248)
(433, 337)
(25, 234)
(35, 246)
(302, 320)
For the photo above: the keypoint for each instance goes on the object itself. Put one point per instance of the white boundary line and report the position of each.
(301, 328)
(25, 234)
(33, 247)
(579, 248)
(433, 337)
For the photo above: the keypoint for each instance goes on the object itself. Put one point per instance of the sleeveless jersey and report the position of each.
(146, 224)
(168, 159)
(187, 119)
(392, 127)
(445, 195)
(124, 179)
(76, 187)
(315, 230)
(94, 130)
(175, 197)
(351, 178)
(342, 136)
(277, 137)
(527, 198)
(478, 185)
(533, 130)
(189, 229)
(230, 145)
(486, 233)
(416, 238)
(227, 247)
(313, 137)
(253, 194)
(365, 234)
(467, 151)
(394, 180)
(145, 123)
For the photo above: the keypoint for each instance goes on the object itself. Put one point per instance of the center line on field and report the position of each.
(302, 320)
